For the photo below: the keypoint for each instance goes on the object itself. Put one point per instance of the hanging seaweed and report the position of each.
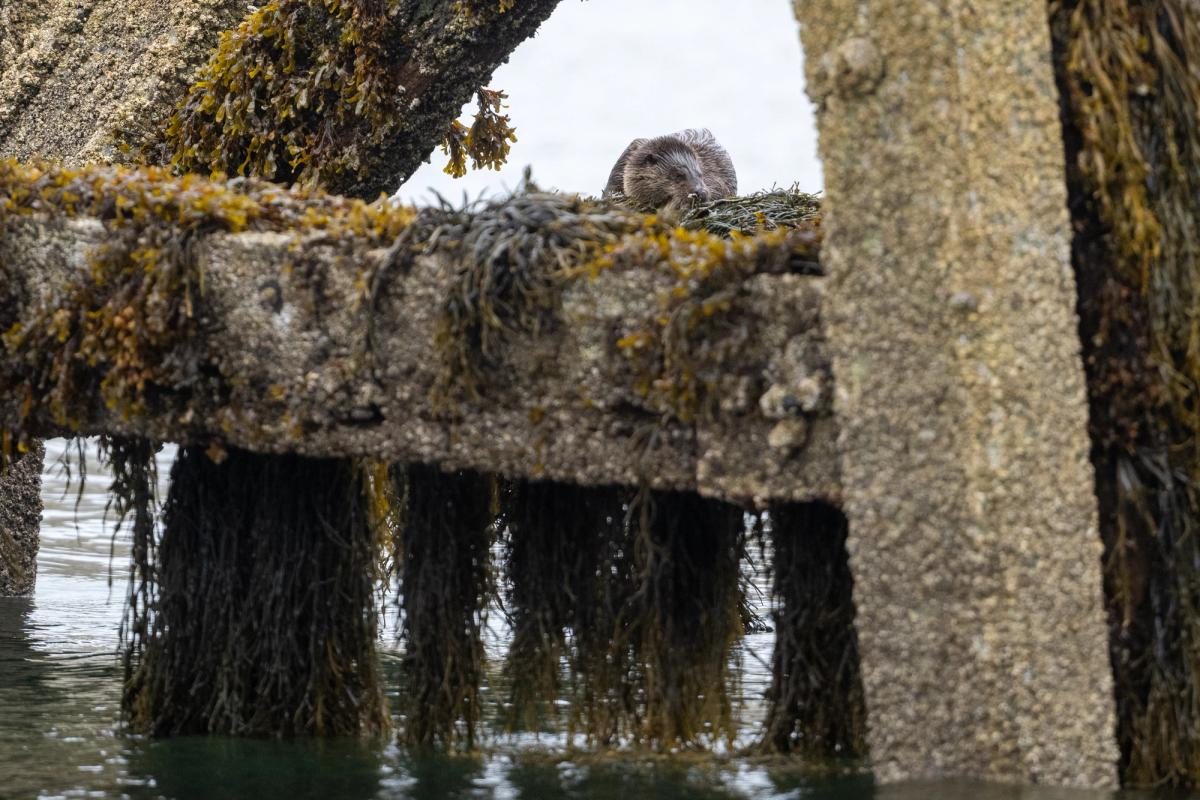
(685, 615)
(445, 582)
(635, 599)
(815, 702)
(603, 694)
(559, 580)
(252, 611)
(1131, 96)
(486, 141)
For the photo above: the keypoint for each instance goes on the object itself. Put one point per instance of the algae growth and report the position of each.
(318, 92)
(1131, 97)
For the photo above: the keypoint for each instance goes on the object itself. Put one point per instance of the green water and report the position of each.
(60, 732)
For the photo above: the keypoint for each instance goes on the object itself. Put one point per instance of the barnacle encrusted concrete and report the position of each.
(960, 392)
(20, 516)
(83, 80)
(299, 360)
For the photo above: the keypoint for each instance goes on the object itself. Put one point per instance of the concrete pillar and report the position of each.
(960, 391)
(20, 518)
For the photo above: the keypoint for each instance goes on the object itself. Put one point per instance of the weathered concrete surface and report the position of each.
(288, 346)
(80, 77)
(960, 391)
(20, 516)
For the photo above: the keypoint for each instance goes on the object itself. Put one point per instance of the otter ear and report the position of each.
(650, 160)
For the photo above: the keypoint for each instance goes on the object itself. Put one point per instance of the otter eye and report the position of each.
(650, 160)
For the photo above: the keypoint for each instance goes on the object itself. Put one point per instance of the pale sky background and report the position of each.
(600, 73)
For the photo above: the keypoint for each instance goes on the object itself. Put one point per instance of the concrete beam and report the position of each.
(287, 346)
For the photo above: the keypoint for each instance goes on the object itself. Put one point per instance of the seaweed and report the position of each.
(445, 583)
(563, 595)
(1131, 94)
(703, 320)
(252, 609)
(754, 213)
(315, 92)
(685, 615)
(816, 706)
(486, 142)
(627, 603)
(518, 254)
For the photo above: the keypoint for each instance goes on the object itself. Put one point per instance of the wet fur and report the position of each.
(672, 171)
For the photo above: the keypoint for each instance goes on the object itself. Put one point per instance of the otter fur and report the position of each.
(672, 171)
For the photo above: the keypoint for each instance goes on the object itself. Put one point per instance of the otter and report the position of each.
(669, 172)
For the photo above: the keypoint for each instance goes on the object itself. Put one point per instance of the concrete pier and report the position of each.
(20, 518)
(960, 392)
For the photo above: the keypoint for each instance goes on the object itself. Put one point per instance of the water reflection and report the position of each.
(192, 768)
(433, 775)
(922, 790)
(621, 780)
(57, 707)
(21, 665)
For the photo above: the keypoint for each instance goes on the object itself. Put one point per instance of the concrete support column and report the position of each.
(960, 391)
(20, 520)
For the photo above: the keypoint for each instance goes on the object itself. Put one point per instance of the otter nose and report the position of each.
(700, 192)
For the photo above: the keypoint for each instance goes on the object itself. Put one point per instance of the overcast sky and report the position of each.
(602, 72)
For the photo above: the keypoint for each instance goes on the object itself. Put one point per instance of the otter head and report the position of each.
(665, 174)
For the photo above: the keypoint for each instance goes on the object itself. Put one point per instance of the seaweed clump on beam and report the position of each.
(252, 612)
(1131, 97)
(687, 358)
(445, 581)
(816, 705)
(754, 213)
(517, 256)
